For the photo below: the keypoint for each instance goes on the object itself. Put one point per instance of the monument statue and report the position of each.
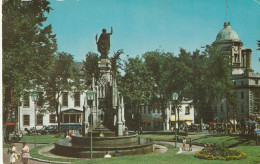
(103, 43)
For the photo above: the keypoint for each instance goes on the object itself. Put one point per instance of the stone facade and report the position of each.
(246, 82)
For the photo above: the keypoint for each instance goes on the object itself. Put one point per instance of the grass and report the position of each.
(172, 157)
(35, 154)
(228, 140)
(244, 144)
(50, 138)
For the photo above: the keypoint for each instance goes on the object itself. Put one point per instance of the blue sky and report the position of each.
(146, 25)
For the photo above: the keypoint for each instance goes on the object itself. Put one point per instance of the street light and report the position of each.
(175, 98)
(34, 99)
(90, 97)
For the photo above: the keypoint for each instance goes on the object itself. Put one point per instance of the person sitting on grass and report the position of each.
(107, 155)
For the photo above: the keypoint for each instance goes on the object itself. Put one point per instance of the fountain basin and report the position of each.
(79, 146)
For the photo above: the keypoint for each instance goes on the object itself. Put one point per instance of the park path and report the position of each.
(195, 148)
(19, 148)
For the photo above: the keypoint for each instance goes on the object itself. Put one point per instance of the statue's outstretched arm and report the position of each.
(111, 31)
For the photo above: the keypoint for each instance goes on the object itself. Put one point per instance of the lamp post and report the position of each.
(34, 99)
(90, 97)
(175, 98)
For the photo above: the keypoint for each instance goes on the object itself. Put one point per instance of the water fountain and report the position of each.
(107, 109)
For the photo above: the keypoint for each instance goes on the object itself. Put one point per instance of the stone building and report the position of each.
(246, 81)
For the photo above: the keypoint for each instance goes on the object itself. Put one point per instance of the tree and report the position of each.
(91, 67)
(258, 44)
(136, 85)
(28, 48)
(160, 64)
(63, 76)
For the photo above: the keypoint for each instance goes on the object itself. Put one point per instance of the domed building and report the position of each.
(246, 82)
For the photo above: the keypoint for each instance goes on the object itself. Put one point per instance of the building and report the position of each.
(246, 82)
(151, 118)
(71, 111)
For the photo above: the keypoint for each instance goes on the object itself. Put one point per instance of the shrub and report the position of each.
(220, 153)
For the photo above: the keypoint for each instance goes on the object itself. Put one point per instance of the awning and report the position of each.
(10, 123)
(188, 119)
(146, 121)
(173, 119)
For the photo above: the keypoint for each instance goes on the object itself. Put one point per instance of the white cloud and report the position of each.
(257, 1)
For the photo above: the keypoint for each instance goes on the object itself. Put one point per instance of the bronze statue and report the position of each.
(103, 43)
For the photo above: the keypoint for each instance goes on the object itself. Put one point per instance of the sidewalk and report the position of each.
(19, 148)
(195, 148)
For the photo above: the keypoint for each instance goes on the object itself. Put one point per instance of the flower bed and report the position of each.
(220, 153)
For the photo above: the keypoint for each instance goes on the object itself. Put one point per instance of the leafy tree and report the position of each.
(258, 44)
(64, 76)
(91, 67)
(28, 47)
(137, 85)
(160, 64)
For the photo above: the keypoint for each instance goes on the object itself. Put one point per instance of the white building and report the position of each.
(152, 118)
(71, 109)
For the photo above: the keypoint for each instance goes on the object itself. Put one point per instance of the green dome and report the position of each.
(227, 34)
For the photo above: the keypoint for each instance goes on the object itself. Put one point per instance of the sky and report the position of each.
(146, 25)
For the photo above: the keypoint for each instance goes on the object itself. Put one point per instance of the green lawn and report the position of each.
(50, 138)
(228, 140)
(239, 143)
(172, 157)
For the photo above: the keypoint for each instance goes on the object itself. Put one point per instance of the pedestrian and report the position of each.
(184, 143)
(25, 153)
(190, 145)
(12, 151)
(20, 135)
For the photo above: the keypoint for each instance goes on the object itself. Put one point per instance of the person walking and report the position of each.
(12, 151)
(25, 153)
(184, 143)
(190, 145)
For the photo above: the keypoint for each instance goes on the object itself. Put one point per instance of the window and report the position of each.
(77, 99)
(26, 120)
(256, 82)
(26, 100)
(40, 99)
(187, 110)
(39, 120)
(242, 95)
(52, 118)
(65, 99)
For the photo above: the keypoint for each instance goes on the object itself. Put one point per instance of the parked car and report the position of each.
(50, 129)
